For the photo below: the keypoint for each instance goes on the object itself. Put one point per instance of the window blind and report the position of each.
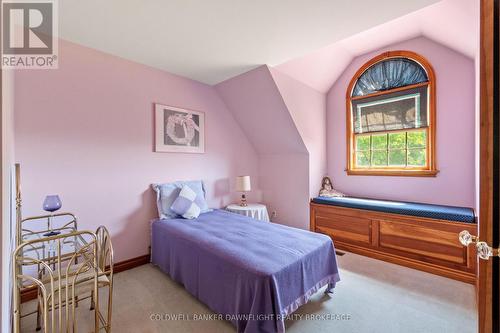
(389, 74)
(395, 111)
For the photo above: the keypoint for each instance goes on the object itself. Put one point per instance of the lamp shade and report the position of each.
(243, 184)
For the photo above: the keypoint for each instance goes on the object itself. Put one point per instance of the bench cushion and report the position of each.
(450, 213)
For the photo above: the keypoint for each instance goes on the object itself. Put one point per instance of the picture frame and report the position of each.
(179, 130)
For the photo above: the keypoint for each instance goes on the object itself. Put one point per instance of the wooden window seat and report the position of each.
(419, 236)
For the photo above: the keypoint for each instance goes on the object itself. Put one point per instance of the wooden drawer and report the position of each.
(427, 244)
(423, 243)
(347, 228)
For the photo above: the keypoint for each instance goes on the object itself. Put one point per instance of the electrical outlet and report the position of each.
(273, 214)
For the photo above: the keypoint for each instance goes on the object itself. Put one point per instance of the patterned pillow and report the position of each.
(166, 194)
(188, 204)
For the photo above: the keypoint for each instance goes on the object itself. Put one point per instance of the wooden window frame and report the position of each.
(430, 170)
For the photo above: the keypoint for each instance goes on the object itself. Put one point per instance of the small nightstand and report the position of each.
(253, 210)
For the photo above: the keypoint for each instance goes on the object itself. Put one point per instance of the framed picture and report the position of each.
(179, 130)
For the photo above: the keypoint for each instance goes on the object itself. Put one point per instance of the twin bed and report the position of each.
(252, 273)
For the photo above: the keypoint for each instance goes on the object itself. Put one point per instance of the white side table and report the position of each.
(253, 210)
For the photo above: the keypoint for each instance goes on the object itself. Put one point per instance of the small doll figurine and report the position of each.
(327, 189)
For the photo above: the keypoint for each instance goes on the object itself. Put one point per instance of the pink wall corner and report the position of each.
(285, 187)
(256, 103)
(308, 110)
(455, 183)
(85, 131)
(319, 69)
(7, 228)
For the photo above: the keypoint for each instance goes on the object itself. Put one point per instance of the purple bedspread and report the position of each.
(253, 273)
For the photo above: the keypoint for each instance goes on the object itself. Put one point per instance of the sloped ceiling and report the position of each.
(256, 103)
(211, 41)
(453, 23)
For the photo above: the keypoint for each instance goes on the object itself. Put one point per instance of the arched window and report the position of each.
(391, 117)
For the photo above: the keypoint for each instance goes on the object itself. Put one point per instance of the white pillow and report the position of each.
(187, 203)
(167, 193)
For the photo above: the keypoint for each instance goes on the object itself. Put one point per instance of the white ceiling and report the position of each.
(211, 41)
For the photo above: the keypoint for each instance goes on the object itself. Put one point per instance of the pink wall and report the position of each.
(257, 105)
(454, 185)
(259, 108)
(7, 198)
(452, 23)
(308, 110)
(285, 121)
(85, 132)
(284, 181)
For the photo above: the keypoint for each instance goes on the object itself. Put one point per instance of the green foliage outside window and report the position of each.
(392, 149)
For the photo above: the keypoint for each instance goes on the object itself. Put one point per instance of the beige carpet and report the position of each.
(373, 296)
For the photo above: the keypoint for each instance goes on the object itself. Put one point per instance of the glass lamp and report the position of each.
(51, 204)
(243, 185)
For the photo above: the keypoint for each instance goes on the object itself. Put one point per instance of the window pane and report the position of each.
(363, 159)
(379, 141)
(416, 157)
(363, 142)
(391, 111)
(390, 114)
(379, 158)
(391, 149)
(417, 139)
(397, 157)
(397, 140)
